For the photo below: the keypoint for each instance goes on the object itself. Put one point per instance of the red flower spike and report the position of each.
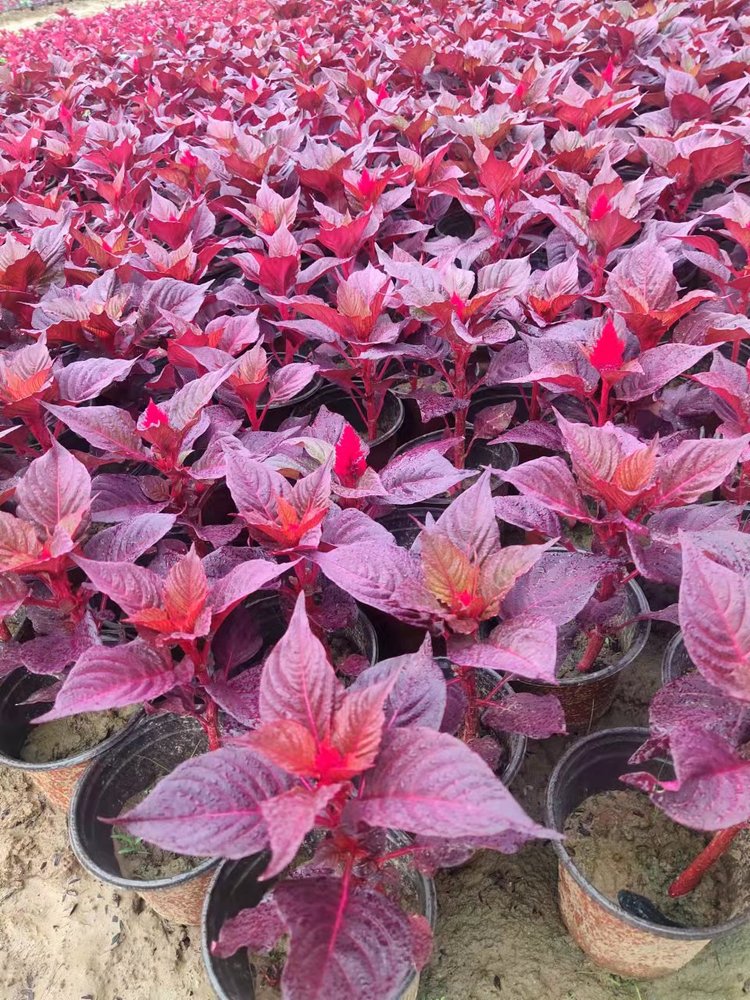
(458, 305)
(154, 417)
(608, 350)
(382, 94)
(351, 458)
(608, 73)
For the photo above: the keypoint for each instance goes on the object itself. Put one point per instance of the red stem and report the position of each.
(592, 650)
(699, 866)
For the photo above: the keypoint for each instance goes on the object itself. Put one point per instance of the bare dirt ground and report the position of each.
(18, 20)
(64, 936)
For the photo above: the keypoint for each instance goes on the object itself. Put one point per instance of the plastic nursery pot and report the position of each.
(55, 779)
(236, 887)
(339, 401)
(147, 752)
(676, 662)
(359, 637)
(499, 456)
(612, 938)
(586, 697)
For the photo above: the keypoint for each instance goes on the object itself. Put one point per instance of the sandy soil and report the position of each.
(17, 20)
(65, 937)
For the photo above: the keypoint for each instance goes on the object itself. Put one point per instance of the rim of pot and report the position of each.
(580, 751)
(643, 630)
(106, 875)
(675, 649)
(82, 757)
(259, 861)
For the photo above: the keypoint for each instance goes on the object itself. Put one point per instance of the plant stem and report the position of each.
(699, 866)
(592, 650)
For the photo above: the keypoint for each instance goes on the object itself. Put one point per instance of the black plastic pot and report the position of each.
(586, 697)
(405, 523)
(56, 779)
(339, 401)
(676, 662)
(480, 454)
(146, 753)
(236, 887)
(612, 938)
(271, 623)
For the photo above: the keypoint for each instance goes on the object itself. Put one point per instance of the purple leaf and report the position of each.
(659, 366)
(714, 609)
(558, 587)
(342, 937)
(243, 580)
(50, 654)
(238, 640)
(13, 592)
(127, 542)
(259, 929)
(693, 468)
(113, 677)
(535, 715)
(550, 481)
(105, 427)
(414, 477)
(691, 703)
(298, 681)
(431, 783)
(239, 696)
(289, 381)
(55, 491)
(711, 790)
(530, 514)
(419, 692)
(209, 806)
(132, 587)
(84, 380)
(289, 818)
(526, 646)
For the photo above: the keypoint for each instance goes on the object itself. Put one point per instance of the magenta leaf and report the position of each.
(239, 696)
(550, 481)
(113, 677)
(50, 654)
(298, 682)
(346, 941)
(259, 929)
(691, 703)
(105, 427)
(407, 790)
(714, 608)
(243, 580)
(128, 541)
(289, 818)
(558, 587)
(526, 646)
(132, 587)
(711, 790)
(530, 514)
(535, 715)
(55, 491)
(209, 806)
(419, 692)
(84, 380)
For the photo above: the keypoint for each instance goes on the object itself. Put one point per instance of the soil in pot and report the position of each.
(611, 651)
(63, 738)
(620, 841)
(137, 859)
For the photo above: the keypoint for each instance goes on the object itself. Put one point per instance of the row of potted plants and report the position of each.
(362, 374)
